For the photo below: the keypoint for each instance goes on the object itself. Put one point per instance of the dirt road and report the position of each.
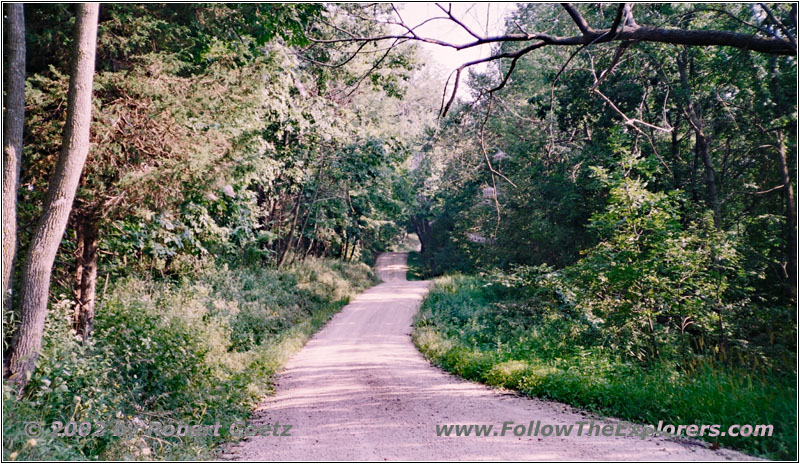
(359, 390)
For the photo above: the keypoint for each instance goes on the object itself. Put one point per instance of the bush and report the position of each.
(657, 284)
(201, 350)
(502, 330)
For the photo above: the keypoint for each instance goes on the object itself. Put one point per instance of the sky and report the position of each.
(473, 15)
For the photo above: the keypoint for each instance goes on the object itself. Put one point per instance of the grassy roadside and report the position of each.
(199, 351)
(479, 331)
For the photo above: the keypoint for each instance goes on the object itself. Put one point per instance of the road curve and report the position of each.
(360, 391)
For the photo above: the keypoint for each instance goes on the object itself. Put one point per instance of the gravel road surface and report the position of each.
(359, 390)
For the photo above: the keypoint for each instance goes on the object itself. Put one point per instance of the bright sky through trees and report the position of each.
(607, 212)
(481, 17)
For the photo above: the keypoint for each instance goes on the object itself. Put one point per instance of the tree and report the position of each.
(698, 227)
(778, 40)
(63, 185)
(148, 114)
(786, 179)
(701, 139)
(13, 123)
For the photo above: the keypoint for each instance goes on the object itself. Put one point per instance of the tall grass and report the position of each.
(479, 331)
(198, 351)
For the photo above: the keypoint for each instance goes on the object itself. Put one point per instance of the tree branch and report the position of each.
(460, 23)
(778, 23)
(603, 75)
(576, 16)
(770, 45)
(514, 55)
(762, 192)
(617, 20)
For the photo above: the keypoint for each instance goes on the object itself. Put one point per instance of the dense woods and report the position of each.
(653, 180)
(229, 182)
(638, 199)
(612, 195)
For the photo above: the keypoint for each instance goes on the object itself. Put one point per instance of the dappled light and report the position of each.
(360, 390)
(383, 222)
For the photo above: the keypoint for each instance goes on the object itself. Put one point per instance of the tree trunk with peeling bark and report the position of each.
(60, 195)
(13, 123)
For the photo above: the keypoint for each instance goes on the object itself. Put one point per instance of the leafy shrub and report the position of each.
(73, 381)
(199, 350)
(655, 283)
(501, 330)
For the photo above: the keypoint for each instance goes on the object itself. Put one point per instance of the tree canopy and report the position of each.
(631, 165)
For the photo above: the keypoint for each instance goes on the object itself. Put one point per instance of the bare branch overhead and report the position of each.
(623, 29)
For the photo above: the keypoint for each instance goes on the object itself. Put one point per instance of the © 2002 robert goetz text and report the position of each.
(591, 429)
(128, 428)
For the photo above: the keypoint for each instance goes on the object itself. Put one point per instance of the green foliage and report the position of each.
(217, 135)
(653, 281)
(193, 100)
(503, 331)
(417, 270)
(601, 184)
(199, 351)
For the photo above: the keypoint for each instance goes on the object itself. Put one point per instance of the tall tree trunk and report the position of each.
(13, 123)
(87, 233)
(422, 228)
(701, 141)
(783, 105)
(277, 224)
(701, 145)
(308, 215)
(791, 219)
(695, 118)
(60, 195)
(311, 244)
(301, 233)
(285, 250)
(693, 179)
(261, 203)
(675, 149)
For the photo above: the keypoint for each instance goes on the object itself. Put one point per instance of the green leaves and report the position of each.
(505, 329)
